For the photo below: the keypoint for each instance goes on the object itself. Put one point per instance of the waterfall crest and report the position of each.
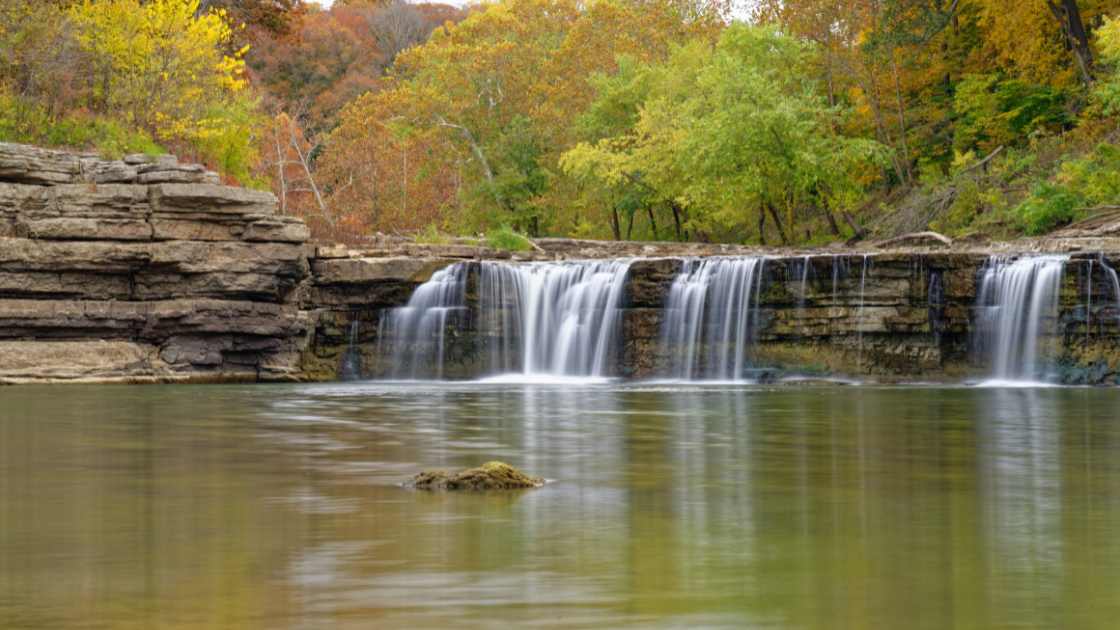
(541, 318)
(711, 317)
(552, 318)
(1017, 303)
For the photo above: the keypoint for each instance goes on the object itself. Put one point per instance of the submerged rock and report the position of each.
(489, 476)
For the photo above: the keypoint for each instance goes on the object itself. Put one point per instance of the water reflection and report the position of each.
(671, 506)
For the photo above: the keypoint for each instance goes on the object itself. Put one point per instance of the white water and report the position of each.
(538, 321)
(711, 317)
(1114, 281)
(1017, 304)
(417, 331)
(553, 319)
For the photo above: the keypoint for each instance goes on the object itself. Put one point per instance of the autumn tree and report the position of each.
(735, 134)
(397, 27)
(475, 119)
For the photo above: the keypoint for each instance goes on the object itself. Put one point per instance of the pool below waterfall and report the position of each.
(668, 505)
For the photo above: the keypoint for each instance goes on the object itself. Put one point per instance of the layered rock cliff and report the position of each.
(143, 269)
(147, 270)
(888, 315)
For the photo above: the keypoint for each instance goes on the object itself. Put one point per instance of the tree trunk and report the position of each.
(616, 229)
(901, 118)
(280, 162)
(858, 232)
(652, 221)
(630, 224)
(832, 225)
(761, 226)
(871, 89)
(677, 220)
(1069, 17)
(778, 223)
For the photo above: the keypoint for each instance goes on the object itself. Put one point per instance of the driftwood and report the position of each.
(917, 239)
(984, 162)
(1105, 222)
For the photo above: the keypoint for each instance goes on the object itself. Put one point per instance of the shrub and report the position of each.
(506, 238)
(432, 235)
(1049, 206)
(28, 122)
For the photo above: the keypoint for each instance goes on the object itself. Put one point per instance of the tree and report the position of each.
(398, 26)
(271, 16)
(1077, 38)
(158, 65)
(734, 134)
(481, 112)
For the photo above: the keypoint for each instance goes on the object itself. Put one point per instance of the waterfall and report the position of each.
(859, 316)
(1017, 303)
(803, 289)
(417, 331)
(351, 368)
(547, 318)
(1115, 281)
(553, 318)
(711, 317)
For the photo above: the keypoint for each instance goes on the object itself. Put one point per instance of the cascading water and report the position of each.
(551, 319)
(1114, 281)
(1017, 303)
(554, 318)
(711, 317)
(351, 368)
(417, 330)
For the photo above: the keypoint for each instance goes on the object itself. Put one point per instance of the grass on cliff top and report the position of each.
(29, 123)
(507, 239)
(504, 238)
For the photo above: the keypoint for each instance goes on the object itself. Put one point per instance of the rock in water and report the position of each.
(489, 476)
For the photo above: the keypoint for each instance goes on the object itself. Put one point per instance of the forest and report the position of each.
(779, 122)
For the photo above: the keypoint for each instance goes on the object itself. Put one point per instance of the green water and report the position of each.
(670, 506)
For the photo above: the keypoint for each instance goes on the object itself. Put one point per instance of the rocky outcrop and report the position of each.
(143, 269)
(891, 316)
(489, 476)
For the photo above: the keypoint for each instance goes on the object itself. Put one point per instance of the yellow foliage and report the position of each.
(159, 66)
(1024, 38)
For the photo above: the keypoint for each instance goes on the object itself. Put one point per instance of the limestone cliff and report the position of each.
(143, 269)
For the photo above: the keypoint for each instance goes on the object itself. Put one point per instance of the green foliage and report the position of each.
(30, 123)
(1107, 91)
(992, 111)
(521, 179)
(121, 75)
(967, 204)
(1080, 183)
(432, 235)
(229, 142)
(1049, 206)
(726, 132)
(507, 239)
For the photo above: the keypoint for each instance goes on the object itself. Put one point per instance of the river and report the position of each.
(792, 506)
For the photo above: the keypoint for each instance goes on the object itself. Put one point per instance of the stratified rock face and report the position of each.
(143, 269)
(489, 476)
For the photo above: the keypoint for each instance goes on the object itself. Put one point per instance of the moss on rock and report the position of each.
(489, 476)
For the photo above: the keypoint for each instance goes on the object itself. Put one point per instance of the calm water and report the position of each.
(787, 507)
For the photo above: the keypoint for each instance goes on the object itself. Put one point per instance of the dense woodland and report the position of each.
(778, 122)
